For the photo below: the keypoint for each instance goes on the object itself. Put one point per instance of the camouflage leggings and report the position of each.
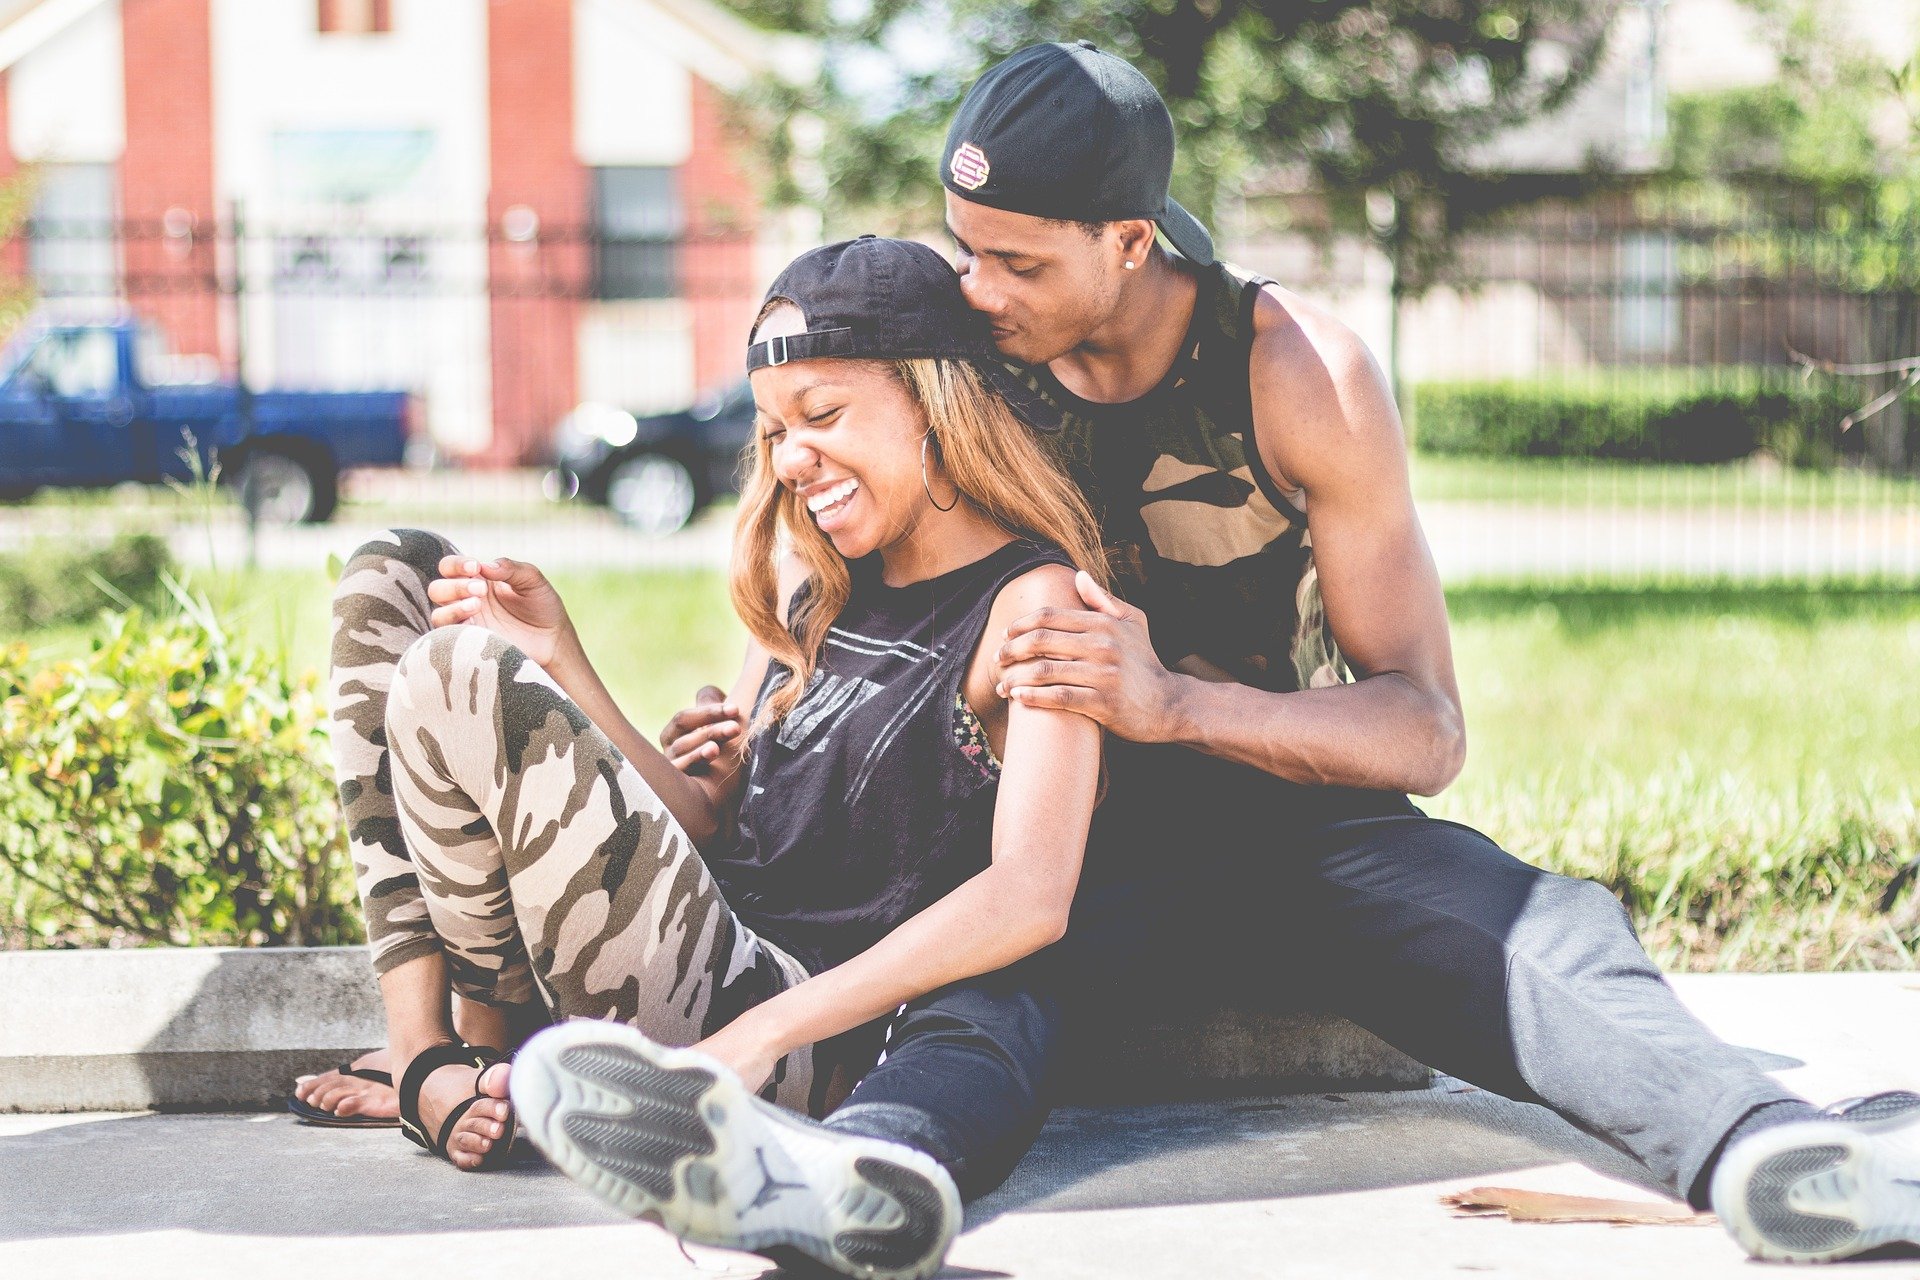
(490, 820)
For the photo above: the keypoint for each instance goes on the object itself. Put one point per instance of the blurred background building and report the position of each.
(508, 206)
(515, 207)
(1602, 268)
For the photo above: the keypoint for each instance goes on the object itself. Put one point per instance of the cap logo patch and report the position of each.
(969, 167)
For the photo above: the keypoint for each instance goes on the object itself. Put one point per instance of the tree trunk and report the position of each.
(1898, 338)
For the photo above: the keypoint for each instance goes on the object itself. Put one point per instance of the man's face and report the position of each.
(1045, 286)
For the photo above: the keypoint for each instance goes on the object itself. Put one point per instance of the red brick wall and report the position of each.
(535, 306)
(168, 164)
(717, 266)
(13, 251)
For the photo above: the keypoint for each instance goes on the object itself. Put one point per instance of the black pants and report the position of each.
(1423, 931)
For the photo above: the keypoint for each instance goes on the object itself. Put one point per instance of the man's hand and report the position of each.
(695, 737)
(1099, 663)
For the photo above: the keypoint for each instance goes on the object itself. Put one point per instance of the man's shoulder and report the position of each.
(1296, 336)
(1316, 386)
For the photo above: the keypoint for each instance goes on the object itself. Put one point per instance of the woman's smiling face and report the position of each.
(845, 436)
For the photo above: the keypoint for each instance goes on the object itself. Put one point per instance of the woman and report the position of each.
(887, 824)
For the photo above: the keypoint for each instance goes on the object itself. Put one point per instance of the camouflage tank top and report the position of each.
(1200, 535)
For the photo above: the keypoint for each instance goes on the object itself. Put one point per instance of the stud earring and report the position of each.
(1129, 264)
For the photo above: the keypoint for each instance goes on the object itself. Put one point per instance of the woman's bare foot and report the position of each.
(485, 1123)
(345, 1095)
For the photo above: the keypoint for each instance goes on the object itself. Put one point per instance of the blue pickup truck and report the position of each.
(88, 405)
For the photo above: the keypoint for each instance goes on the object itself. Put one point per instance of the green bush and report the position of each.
(1644, 415)
(170, 786)
(46, 585)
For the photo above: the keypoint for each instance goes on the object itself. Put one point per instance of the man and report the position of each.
(1278, 679)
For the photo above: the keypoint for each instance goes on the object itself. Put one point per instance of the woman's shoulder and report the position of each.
(1049, 583)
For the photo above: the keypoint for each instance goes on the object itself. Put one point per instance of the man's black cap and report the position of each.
(879, 299)
(1066, 131)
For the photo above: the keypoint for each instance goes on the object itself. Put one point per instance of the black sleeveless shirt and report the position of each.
(1200, 535)
(874, 797)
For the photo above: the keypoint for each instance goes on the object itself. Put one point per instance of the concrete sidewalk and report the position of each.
(1344, 1185)
(1469, 540)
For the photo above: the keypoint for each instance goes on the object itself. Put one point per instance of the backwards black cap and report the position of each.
(879, 299)
(1065, 131)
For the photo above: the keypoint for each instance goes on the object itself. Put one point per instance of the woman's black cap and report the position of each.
(880, 299)
(1065, 131)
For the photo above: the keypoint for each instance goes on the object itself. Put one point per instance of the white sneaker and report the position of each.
(1825, 1189)
(671, 1136)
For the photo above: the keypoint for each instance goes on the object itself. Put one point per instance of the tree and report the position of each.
(1838, 131)
(1378, 105)
(1387, 98)
(17, 295)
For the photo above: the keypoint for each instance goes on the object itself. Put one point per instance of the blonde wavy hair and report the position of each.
(990, 456)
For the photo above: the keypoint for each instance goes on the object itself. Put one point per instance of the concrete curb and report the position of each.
(178, 1028)
(227, 1028)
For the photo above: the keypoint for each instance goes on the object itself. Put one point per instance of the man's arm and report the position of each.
(1325, 423)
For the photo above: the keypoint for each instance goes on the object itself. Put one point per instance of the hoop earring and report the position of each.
(927, 483)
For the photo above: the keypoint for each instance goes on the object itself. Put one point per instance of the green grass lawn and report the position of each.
(1780, 684)
(1582, 482)
(1738, 763)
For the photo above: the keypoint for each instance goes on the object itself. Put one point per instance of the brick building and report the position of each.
(509, 205)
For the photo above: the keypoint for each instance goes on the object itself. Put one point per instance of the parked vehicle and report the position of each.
(657, 471)
(88, 405)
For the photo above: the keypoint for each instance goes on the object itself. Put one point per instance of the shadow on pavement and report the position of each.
(265, 1175)
(1298, 1145)
(1283, 1147)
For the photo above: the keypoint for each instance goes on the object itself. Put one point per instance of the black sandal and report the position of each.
(451, 1055)
(310, 1114)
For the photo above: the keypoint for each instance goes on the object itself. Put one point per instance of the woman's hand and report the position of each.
(511, 598)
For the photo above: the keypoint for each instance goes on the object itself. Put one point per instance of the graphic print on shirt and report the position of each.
(830, 698)
(825, 703)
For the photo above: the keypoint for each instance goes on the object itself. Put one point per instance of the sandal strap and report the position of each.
(430, 1061)
(372, 1074)
(453, 1118)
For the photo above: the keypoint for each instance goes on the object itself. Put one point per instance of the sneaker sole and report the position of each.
(1823, 1190)
(672, 1137)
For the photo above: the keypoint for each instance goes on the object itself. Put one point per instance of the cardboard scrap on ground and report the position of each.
(1520, 1205)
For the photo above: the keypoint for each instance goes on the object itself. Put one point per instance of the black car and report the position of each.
(658, 471)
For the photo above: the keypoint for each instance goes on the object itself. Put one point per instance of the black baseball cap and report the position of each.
(1065, 131)
(879, 299)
